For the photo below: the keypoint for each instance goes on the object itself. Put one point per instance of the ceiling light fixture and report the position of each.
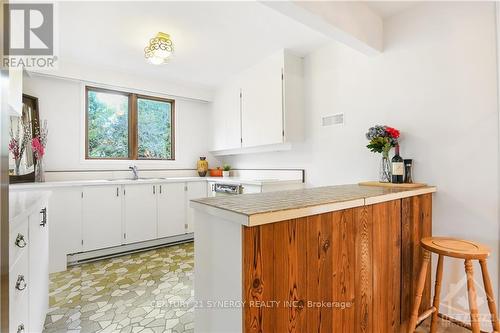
(159, 49)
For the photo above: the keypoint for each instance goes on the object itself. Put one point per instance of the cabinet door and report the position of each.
(227, 117)
(65, 235)
(195, 190)
(171, 210)
(38, 280)
(102, 217)
(140, 212)
(262, 103)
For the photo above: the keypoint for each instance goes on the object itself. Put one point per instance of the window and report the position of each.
(128, 126)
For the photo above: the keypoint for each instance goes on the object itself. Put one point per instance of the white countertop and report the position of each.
(24, 203)
(76, 183)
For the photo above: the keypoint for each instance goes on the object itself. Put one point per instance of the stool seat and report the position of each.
(454, 247)
(462, 249)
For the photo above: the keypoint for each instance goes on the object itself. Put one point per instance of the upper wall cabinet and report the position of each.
(226, 117)
(263, 107)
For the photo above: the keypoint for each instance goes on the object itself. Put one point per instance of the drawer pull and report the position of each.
(44, 217)
(21, 283)
(20, 328)
(20, 241)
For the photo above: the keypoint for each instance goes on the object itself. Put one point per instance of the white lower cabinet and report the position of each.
(172, 209)
(102, 217)
(140, 214)
(195, 190)
(65, 226)
(38, 269)
(29, 271)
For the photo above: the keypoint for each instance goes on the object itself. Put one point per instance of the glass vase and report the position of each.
(385, 173)
(18, 167)
(39, 171)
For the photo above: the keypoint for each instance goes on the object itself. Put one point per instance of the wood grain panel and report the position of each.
(258, 278)
(290, 255)
(366, 256)
(416, 223)
(343, 282)
(363, 271)
(319, 273)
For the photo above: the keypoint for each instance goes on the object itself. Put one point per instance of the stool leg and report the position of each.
(471, 290)
(418, 294)
(437, 292)
(489, 295)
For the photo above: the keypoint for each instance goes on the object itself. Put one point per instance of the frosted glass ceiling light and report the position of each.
(159, 49)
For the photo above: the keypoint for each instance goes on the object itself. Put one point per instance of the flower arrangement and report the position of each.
(39, 142)
(382, 139)
(18, 144)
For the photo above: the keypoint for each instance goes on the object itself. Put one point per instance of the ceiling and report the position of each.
(386, 9)
(213, 40)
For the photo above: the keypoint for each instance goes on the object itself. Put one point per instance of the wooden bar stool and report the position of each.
(456, 248)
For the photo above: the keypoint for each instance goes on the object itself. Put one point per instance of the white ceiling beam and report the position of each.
(351, 23)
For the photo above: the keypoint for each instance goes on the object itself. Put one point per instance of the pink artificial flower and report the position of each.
(14, 148)
(37, 147)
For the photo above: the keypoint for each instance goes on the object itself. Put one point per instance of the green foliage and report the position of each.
(107, 126)
(226, 167)
(380, 145)
(154, 126)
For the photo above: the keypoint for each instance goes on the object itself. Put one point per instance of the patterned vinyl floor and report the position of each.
(143, 292)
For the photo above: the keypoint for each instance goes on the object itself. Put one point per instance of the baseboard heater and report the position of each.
(85, 257)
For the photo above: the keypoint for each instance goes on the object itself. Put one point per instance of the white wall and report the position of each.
(436, 82)
(60, 103)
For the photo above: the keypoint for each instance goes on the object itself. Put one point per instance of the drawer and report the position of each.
(19, 300)
(18, 242)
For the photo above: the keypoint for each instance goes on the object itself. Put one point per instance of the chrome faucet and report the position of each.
(135, 171)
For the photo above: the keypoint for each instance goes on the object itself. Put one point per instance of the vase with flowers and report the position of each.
(38, 144)
(382, 140)
(18, 143)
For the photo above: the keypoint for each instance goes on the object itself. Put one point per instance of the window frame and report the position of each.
(133, 126)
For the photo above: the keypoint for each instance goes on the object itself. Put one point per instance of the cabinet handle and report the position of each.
(43, 223)
(21, 283)
(154, 189)
(160, 189)
(117, 189)
(20, 328)
(20, 241)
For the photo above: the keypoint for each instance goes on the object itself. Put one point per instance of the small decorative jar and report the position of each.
(202, 166)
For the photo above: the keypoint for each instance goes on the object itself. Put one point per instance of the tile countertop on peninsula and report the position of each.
(346, 244)
(262, 208)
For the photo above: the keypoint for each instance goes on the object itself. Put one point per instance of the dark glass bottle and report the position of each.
(397, 167)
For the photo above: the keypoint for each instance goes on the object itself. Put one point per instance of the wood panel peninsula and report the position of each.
(328, 259)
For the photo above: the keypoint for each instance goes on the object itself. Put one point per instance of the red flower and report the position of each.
(393, 133)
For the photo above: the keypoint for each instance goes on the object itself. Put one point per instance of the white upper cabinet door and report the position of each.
(227, 117)
(102, 217)
(140, 212)
(195, 190)
(38, 280)
(172, 210)
(262, 103)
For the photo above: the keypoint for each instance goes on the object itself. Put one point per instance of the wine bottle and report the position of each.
(397, 167)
